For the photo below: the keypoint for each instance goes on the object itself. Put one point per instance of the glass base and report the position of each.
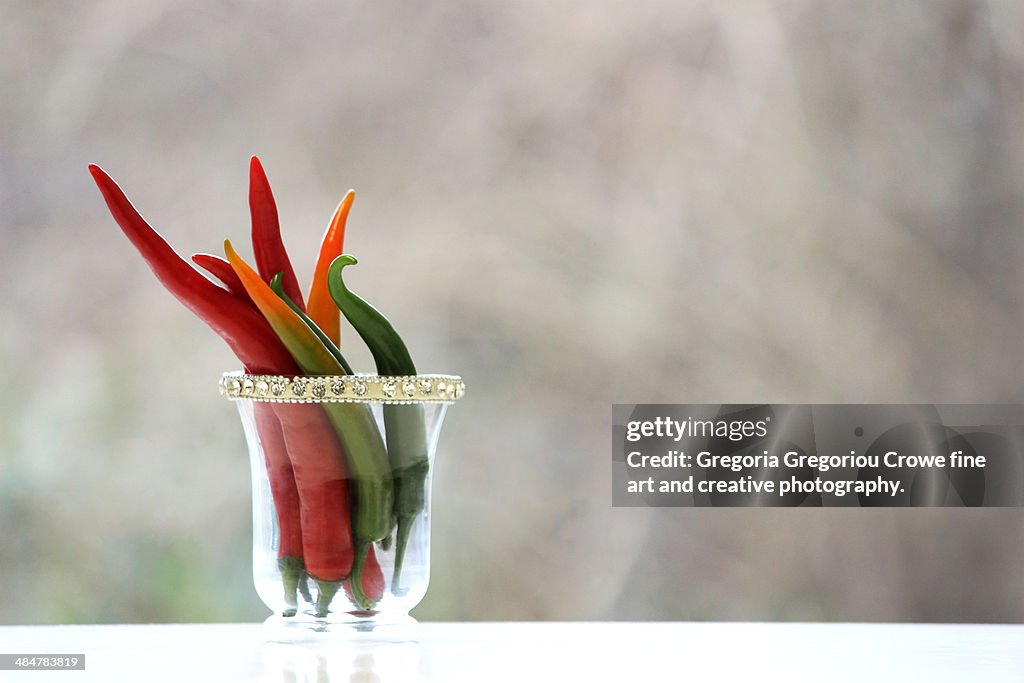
(310, 629)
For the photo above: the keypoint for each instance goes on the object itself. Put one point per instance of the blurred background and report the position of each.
(571, 206)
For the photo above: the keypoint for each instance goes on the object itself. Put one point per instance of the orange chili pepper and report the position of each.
(320, 307)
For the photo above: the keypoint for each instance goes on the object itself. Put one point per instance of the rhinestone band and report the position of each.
(342, 389)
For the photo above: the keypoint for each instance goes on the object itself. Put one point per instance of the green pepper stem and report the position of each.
(291, 569)
(304, 587)
(401, 541)
(355, 581)
(325, 593)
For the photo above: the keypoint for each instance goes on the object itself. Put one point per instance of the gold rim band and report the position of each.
(239, 386)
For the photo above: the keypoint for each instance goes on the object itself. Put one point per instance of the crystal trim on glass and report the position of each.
(319, 389)
(343, 389)
(359, 388)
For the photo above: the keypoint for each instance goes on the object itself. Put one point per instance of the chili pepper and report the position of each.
(321, 480)
(286, 502)
(353, 422)
(243, 328)
(410, 462)
(271, 256)
(275, 284)
(301, 342)
(320, 307)
(248, 335)
(373, 578)
(221, 270)
(403, 424)
(388, 349)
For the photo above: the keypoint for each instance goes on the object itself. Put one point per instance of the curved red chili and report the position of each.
(242, 327)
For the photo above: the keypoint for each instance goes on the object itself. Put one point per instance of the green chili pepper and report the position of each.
(407, 447)
(388, 349)
(275, 284)
(404, 425)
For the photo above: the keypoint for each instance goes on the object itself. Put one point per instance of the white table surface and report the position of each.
(537, 651)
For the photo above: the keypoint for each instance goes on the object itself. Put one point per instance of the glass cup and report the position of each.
(341, 472)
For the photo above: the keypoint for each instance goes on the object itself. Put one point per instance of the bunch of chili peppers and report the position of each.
(338, 486)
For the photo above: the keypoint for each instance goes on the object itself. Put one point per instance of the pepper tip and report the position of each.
(256, 168)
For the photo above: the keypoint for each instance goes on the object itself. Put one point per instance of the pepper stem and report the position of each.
(401, 541)
(291, 569)
(304, 587)
(325, 593)
(355, 580)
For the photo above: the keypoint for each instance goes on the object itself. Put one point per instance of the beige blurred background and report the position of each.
(569, 204)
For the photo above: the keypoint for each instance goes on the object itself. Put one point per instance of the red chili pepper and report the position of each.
(373, 580)
(240, 325)
(290, 559)
(271, 257)
(252, 340)
(322, 483)
(223, 271)
(321, 307)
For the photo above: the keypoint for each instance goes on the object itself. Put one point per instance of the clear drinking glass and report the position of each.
(341, 473)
